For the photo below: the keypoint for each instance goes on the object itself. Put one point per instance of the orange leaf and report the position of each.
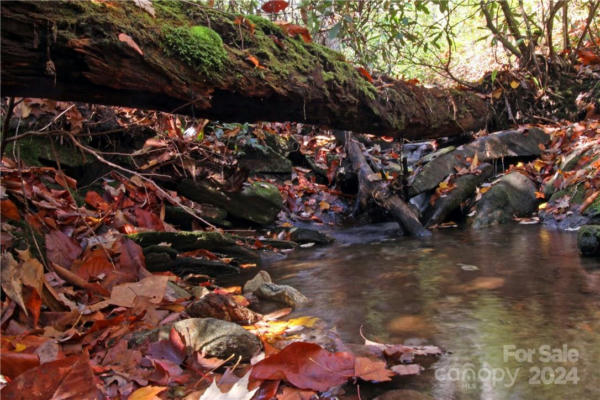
(239, 20)
(274, 6)
(368, 370)
(587, 57)
(9, 210)
(255, 62)
(130, 42)
(293, 30)
(147, 393)
(15, 363)
(365, 74)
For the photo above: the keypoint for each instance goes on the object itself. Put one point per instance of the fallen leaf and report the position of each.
(306, 366)
(407, 369)
(13, 364)
(514, 84)
(368, 370)
(131, 43)
(290, 393)
(365, 74)
(274, 6)
(153, 288)
(10, 276)
(239, 391)
(255, 62)
(147, 393)
(61, 249)
(496, 94)
(9, 210)
(145, 5)
(293, 30)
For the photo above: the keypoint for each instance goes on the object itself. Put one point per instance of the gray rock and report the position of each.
(588, 240)
(465, 187)
(259, 202)
(259, 279)
(281, 294)
(513, 195)
(303, 235)
(259, 158)
(214, 337)
(517, 143)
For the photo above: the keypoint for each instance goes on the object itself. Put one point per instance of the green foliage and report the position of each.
(198, 46)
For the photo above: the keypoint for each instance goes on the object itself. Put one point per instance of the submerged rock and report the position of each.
(259, 202)
(513, 195)
(281, 294)
(303, 235)
(519, 143)
(588, 240)
(465, 187)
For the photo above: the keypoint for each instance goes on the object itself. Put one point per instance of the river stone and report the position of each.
(513, 195)
(465, 187)
(588, 240)
(259, 279)
(304, 235)
(259, 202)
(258, 159)
(215, 338)
(281, 294)
(517, 143)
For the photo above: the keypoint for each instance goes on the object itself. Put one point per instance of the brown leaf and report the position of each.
(365, 74)
(146, 5)
(293, 30)
(152, 287)
(71, 378)
(224, 307)
(9, 210)
(306, 366)
(274, 6)
(368, 370)
(15, 363)
(61, 249)
(290, 393)
(131, 43)
(407, 369)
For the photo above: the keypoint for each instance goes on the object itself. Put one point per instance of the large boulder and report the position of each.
(588, 240)
(518, 143)
(512, 195)
(259, 202)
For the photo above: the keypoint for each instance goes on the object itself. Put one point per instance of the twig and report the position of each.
(144, 178)
(11, 107)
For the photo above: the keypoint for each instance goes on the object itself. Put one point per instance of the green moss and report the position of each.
(264, 25)
(198, 46)
(34, 150)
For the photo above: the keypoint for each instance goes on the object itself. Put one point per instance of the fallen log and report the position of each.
(371, 187)
(199, 61)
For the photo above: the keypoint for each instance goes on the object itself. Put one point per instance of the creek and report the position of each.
(515, 307)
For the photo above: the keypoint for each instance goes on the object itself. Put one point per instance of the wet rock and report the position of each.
(588, 240)
(513, 195)
(569, 201)
(465, 188)
(259, 279)
(185, 241)
(178, 217)
(403, 394)
(214, 337)
(259, 202)
(281, 294)
(223, 307)
(303, 235)
(519, 143)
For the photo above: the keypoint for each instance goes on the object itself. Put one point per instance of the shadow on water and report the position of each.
(480, 295)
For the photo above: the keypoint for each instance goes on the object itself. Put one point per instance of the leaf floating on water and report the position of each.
(408, 369)
(375, 371)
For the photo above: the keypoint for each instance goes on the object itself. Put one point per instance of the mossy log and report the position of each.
(196, 60)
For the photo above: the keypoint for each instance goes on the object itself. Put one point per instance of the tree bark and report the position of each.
(253, 70)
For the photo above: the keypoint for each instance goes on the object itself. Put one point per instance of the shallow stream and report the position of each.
(516, 307)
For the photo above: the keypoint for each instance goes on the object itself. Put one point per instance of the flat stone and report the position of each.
(281, 294)
(259, 279)
(517, 143)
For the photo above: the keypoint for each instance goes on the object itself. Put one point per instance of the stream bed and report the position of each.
(515, 307)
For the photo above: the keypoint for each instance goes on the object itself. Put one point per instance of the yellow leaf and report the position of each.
(323, 205)
(19, 347)
(496, 94)
(538, 165)
(514, 84)
(542, 206)
(308, 322)
(147, 393)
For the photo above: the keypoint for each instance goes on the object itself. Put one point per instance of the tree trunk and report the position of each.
(200, 61)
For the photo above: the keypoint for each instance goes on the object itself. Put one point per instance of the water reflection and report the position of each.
(523, 286)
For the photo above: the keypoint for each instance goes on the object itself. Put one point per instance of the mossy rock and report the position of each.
(259, 202)
(38, 151)
(588, 240)
(513, 195)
